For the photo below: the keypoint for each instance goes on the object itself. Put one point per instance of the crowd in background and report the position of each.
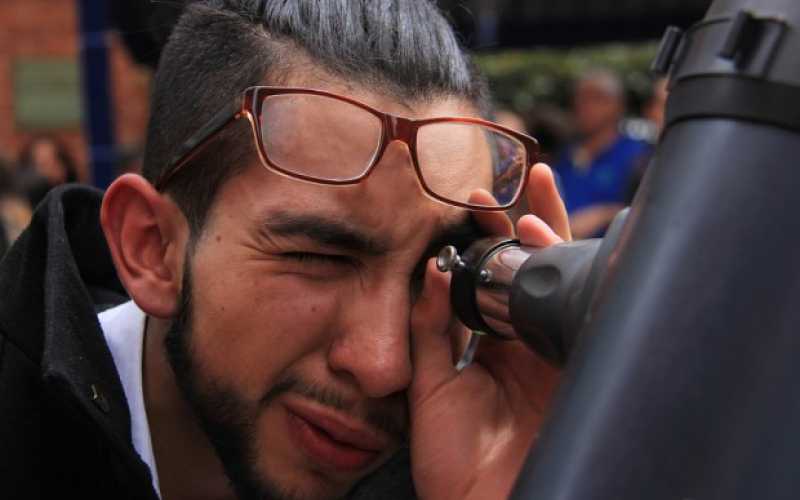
(41, 165)
(599, 151)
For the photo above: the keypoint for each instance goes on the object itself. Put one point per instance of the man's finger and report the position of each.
(534, 232)
(545, 201)
(431, 322)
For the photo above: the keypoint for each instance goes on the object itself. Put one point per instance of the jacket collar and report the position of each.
(53, 274)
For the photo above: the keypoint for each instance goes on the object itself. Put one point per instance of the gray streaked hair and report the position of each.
(403, 48)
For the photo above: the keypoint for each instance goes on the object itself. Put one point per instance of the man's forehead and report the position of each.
(329, 230)
(380, 220)
(386, 208)
(389, 205)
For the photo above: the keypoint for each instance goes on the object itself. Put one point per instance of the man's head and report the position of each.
(287, 304)
(399, 48)
(598, 101)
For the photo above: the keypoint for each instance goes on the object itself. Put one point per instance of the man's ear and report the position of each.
(147, 234)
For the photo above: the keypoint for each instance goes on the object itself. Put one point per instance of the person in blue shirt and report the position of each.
(596, 170)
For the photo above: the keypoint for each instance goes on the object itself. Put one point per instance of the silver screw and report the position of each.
(449, 260)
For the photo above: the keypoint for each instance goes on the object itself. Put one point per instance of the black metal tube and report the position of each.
(684, 385)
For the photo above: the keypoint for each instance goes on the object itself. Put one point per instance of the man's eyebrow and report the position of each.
(460, 234)
(325, 231)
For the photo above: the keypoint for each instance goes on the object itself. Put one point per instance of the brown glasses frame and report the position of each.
(394, 128)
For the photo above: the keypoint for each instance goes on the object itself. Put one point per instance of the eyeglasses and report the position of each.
(324, 138)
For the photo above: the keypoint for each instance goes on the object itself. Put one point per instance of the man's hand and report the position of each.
(470, 431)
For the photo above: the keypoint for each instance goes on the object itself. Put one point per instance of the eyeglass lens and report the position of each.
(332, 140)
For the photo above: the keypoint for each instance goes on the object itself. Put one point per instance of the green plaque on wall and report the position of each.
(46, 93)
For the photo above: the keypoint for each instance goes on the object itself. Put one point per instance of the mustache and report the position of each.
(382, 416)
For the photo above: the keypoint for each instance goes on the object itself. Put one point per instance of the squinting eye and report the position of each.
(318, 258)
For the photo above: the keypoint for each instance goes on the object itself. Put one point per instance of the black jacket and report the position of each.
(64, 421)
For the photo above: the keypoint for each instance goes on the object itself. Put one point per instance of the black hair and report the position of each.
(404, 48)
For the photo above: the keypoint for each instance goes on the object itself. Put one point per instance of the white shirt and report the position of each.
(123, 328)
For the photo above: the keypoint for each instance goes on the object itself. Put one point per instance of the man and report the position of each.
(595, 172)
(287, 335)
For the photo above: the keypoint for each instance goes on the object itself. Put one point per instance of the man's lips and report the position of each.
(332, 438)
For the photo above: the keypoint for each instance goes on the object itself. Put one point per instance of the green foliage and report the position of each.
(522, 80)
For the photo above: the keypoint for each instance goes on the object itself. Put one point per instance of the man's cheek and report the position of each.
(252, 344)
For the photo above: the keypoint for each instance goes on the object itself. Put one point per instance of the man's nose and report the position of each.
(371, 348)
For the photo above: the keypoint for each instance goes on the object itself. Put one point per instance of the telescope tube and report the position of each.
(684, 386)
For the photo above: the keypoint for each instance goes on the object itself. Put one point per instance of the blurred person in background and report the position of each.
(15, 212)
(653, 110)
(552, 127)
(43, 164)
(595, 171)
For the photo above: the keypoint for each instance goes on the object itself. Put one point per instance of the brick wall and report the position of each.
(49, 28)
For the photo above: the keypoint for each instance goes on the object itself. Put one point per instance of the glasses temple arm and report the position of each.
(199, 140)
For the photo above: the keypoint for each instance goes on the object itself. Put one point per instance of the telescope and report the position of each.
(679, 332)
(539, 295)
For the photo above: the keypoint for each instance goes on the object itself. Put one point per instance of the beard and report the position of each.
(222, 415)
(230, 423)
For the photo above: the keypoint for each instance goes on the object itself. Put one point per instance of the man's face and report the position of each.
(293, 345)
(595, 108)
